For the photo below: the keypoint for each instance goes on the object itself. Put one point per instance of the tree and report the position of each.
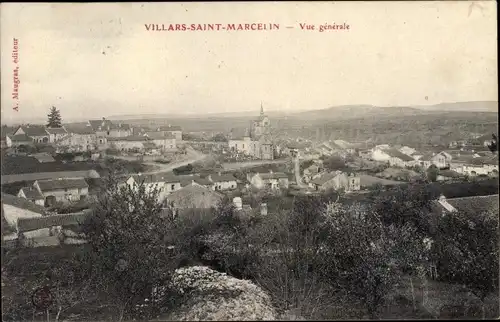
(432, 173)
(54, 118)
(131, 244)
(367, 256)
(467, 250)
(493, 146)
(334, 163)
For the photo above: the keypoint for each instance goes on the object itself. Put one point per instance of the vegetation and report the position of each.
(320, 257)
(54, 118)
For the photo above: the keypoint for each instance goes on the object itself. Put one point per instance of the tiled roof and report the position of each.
(324, 178)
(34, 130)
(29, 224)
(60, 184)
(120, 126)
(160, 135)
(22, 203)
(167, 177)
(398, 154)
(81, 130)
(56, 130)
(31, 193)
(132, 138)
(43, 157)
(475, 204)
(20, 138)
(170, 128)
(222, 177)
(100, 125)
(274, 175)
(186, 180)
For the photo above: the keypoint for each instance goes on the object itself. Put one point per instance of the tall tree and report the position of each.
(54, 118)
(130, 244)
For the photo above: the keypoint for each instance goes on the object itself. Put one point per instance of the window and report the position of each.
(172, 187)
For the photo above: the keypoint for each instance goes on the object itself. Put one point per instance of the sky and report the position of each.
(97, 59)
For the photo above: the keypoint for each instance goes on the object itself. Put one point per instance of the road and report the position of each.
(250, 164)
(192, 156)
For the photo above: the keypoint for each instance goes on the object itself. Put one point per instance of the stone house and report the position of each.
(32, 195)
(164, 140)
(17, 140)
(399, 159)
(56, 133)
(336, 180)
(15, 208)
(175, 131)
(166, 183)
(271, 180)
(128, 143)
(37, 133)
(81, 139)
(223, 182)
(62, 190)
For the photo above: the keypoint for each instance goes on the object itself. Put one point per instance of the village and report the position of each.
(49, 174)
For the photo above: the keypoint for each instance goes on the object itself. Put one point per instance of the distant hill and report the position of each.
(477, 106)
(356, 111)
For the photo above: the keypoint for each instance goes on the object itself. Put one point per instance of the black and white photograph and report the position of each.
(248, 161)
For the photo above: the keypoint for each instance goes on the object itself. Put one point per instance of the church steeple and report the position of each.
(261, 109)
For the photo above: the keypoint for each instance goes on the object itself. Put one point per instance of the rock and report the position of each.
(229, 299)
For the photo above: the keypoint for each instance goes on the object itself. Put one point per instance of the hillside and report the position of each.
(477, 106)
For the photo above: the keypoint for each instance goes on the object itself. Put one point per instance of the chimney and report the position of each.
(238, 203)
(263, 209)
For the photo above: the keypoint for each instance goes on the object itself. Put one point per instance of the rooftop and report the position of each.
(155, 135)
(61, 184)
(29, 224)
(80, 129)
(34, 130)
(56, 130)
(398, 154)
(31, 193)
(273, 175)
(20, 138)
(131, 138)
(22, 203)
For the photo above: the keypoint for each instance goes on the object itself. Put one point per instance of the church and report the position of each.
(256, 141)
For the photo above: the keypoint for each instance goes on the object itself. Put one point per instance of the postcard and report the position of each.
(297, 160)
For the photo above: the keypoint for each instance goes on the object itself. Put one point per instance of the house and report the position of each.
(164, 140)
(120, 130)
(32, 195)
(448, 175)
(187, 180)
(483, 140)
(17, 140)
(271, 180)
(407, 150)
(43, 157)
(81, 138)
(336, 180)
(63, 228)
(102, 128)
(56, 133)
(399, 159)
(14, 209)
(128, 143)
(310, 172)
(365, 154)
(37, 133)
(165, 183)
(223, 182)
(474, 205)
(441, 160)
(194, 197)
(62, 190)
(379, 154)
(175, 131)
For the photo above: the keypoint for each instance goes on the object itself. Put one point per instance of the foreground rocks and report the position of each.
(210, 295)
